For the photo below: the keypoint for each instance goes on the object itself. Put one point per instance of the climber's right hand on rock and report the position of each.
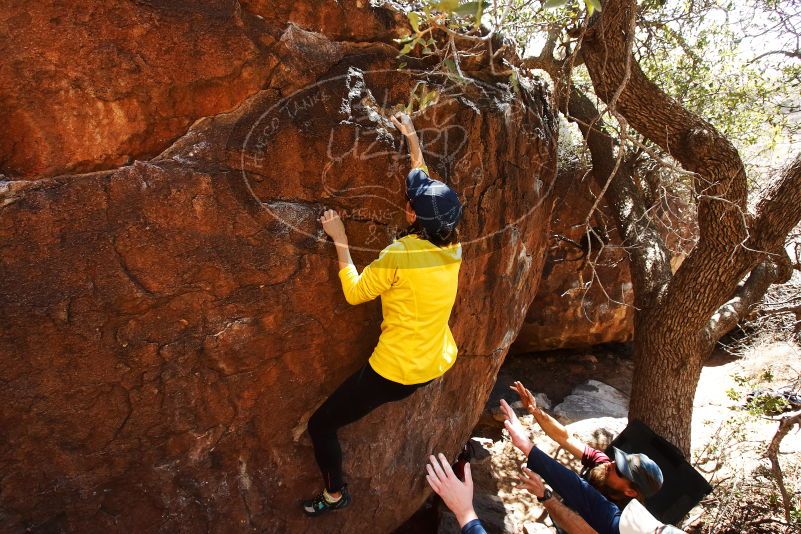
(403, 123)
(515, 428)
(457, 495)
(333, 226)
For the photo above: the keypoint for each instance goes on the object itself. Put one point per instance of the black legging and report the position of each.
(360, 394)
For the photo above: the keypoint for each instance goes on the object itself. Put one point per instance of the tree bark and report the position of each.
(650, 258)
(785, 424)
(774, 270)
(671, 337)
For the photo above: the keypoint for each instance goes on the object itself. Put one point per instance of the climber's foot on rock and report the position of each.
(324, 502)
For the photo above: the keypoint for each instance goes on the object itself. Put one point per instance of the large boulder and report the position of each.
(170, 325)
(99, 85)
(580, 303)
(585, 295)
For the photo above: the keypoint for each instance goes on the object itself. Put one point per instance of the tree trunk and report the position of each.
(679, 316)
(667, 366)
(668, 411)
(673, 317)
(676, 331)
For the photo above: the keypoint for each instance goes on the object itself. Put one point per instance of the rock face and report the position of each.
(169, 326)
(578, 305)
(590, 400)
(95, 88)
(574, 307)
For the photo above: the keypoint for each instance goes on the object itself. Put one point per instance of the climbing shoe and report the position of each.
(320, 505)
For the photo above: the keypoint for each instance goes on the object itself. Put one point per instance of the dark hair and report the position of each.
(597, 478)
(438, 239)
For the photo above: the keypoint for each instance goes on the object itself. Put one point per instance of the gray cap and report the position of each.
(640, 471)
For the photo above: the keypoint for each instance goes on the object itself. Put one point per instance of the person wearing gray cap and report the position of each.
(628, 476)
(604, 516)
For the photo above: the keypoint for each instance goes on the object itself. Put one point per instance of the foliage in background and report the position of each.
(733, 65)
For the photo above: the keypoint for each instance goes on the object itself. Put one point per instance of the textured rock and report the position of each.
(97, 86)
(578, 306)
(599, 429)
(564, 313)
(592, 399)
(169, 326)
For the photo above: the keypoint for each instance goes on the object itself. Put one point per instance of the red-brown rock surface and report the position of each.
(566, 313)
(169, 326)
(87, 85)
(583, 301)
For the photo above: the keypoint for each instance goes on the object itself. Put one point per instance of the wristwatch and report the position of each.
(547, 494)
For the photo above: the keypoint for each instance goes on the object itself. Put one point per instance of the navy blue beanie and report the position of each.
(436, 205)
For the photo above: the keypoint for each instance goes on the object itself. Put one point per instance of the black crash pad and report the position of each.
(683, 486)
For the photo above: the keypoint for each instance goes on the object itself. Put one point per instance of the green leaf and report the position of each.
(414, 20)
(515, 82)
(593, 5)
(467, 9)
(413, 95)
(453, 73)
(479, 13)
(430, 97)
(407, 47)
(405, 39)
(447, 5)
(553, 4)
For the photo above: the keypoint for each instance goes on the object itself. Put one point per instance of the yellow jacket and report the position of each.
(417, 281)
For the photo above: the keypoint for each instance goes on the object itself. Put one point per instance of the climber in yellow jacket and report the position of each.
(416, 277)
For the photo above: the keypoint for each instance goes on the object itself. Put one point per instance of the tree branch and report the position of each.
(774, 270)
(689, 139)
(649, 256)
(794, 54)
(778, 210)
(785, 425)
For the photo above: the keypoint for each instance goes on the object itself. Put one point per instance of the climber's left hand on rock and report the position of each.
(333, 226)
(403, 123)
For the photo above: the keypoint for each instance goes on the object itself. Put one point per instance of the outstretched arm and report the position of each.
(553, 428)
(404, 124)
(594, 508)
(567, 519)
(374, 279)
(457, 495)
